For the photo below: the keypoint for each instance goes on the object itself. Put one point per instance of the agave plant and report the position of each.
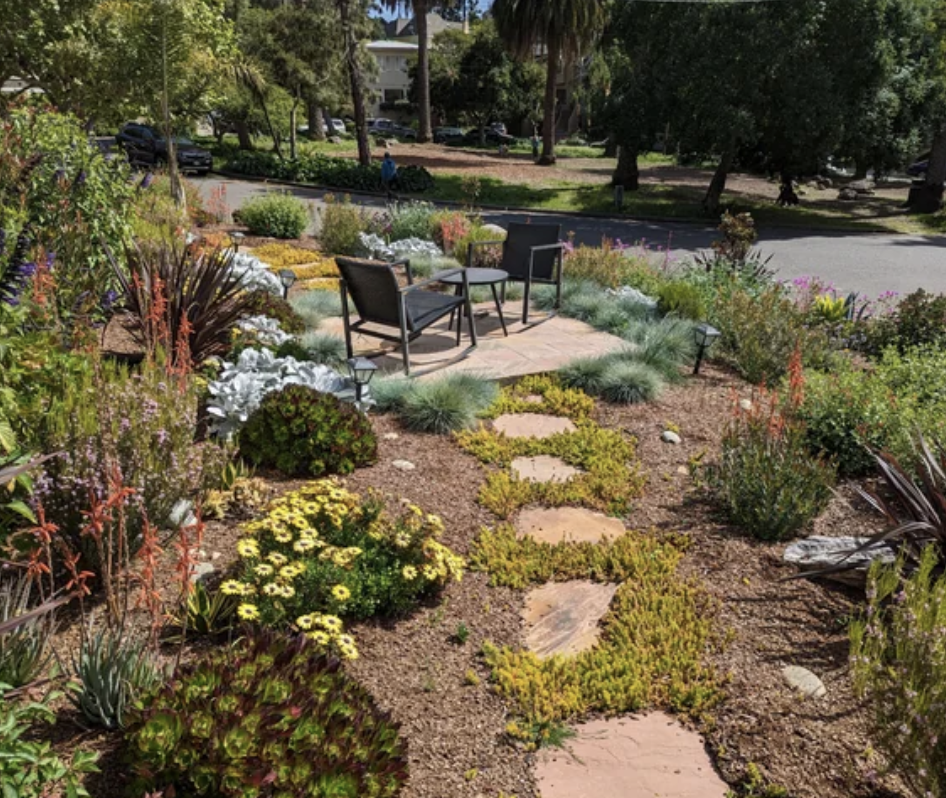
(183, 300)
(204, 613)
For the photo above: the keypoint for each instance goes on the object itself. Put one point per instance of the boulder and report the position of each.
(818, 552)
(862, 186)
(847, 194)
(804, 681)
(494, 230)
(669, 436)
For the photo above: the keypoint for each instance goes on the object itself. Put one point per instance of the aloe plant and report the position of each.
(24, 651)
(112, 673)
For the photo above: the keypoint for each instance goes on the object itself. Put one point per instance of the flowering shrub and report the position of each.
(341, 224)
(322, 554)
(279, 215)
(766, 480)
(74, 198)
(613, 265)
(304, 432)
(134, 427)
(267, 710)
(898, 658)
(449, 227)
(919, 320)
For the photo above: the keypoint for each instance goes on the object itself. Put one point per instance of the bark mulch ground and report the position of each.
(437, 687)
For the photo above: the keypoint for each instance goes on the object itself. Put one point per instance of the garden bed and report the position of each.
(415, 666)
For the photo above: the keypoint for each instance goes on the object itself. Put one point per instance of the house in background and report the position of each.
(395, 55)
(389, 89)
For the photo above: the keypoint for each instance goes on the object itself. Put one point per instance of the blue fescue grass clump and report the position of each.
(447, 404)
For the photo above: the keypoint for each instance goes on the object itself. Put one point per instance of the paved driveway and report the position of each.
(867, 263)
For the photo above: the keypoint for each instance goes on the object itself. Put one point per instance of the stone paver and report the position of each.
(527, 350)
(572, 524)
(562, 617)
(543, 468)
(649, 756)
(532, 425)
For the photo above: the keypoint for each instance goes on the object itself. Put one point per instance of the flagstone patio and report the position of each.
(539, 347)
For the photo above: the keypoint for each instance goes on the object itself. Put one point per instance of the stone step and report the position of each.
(543, 468)
(571, 524)
(646, 756)
(563, 617)
(532, 425)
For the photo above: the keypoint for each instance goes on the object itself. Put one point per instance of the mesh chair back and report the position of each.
(373, 288)
(520, 239)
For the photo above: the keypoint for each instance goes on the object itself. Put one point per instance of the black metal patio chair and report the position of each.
(381, 301)
(532, 253)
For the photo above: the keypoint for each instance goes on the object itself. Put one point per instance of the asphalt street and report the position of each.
(868, 263)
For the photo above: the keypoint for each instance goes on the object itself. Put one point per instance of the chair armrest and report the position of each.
(406, 263)
(543, 247)
(435, 279)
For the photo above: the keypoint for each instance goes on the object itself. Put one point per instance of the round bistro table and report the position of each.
(476, 276)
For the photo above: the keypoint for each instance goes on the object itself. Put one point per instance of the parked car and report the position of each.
(493, 137)
(444, 135)
(338, 124)
(919, 167)
(387, 127)
(145, 146)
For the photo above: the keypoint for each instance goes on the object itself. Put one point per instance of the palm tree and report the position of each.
(419, 8)
(564, 27)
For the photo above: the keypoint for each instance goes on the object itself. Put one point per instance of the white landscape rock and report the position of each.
(403, 465)
(818, 552)
(804, 681)
(669, 436)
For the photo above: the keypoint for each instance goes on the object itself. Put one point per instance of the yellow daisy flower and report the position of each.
(319, 637)
(341, 593)
(247, 547)
(248, 612)
(264, 569)
(271, 589)
(409, 572)
(331, 622)
(231, 587)
(304, 622)
(277, 559)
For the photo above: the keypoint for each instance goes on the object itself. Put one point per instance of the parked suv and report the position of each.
(145, 146)
(386, 127)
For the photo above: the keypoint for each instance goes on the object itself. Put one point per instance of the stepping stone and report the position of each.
(543, 468)
(572, 524)
(562, 617)
(632, 757)
(532, 425)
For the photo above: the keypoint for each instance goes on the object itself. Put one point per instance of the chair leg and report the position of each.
(525, 302)
(499, 308)
(459, 325)
(406, 354)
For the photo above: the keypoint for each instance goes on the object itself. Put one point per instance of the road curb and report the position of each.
(683, 220)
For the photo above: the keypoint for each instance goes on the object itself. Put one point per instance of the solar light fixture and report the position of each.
(361, 370)
(237, 239)
(705, 336)
(287, 277)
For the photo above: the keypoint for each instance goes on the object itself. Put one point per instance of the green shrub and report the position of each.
(628, 382)
(760, 333)
(919, 320)
(485, 257)
(766, 480)
(682, 299)
(263, 303)
(340, 556)
(323, 170)
(303, 432)
(340, 226)
(898, 661)
(664, 345)
(270, 708)
(389, 393)
(447, 404)
(313, 307)
(850, 411)
(613, 265)
(278, 215)
(408, 220)
(28, 767)
(78, 204)
(134, 427)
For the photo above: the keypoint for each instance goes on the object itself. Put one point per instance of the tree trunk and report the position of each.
(548, 128)
(711, 202)
(627, 173)
(424, 133)
(610, 148)
(292, 127)
(314, 120)
(356, 79)
(936, 171)
(243, 135)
